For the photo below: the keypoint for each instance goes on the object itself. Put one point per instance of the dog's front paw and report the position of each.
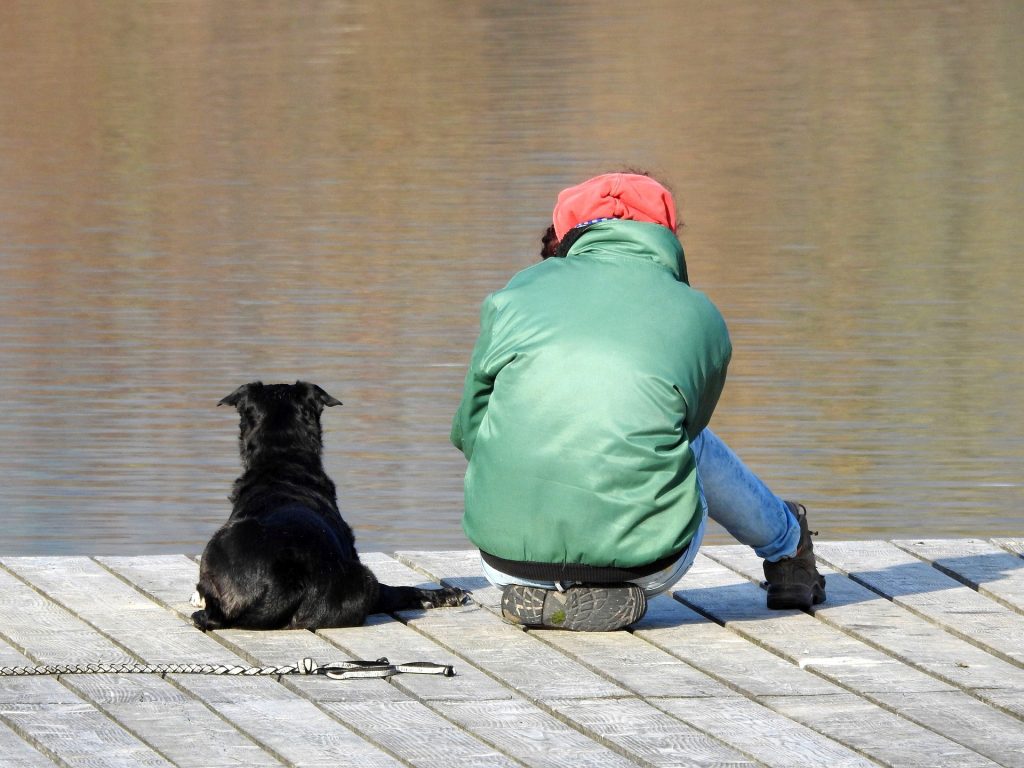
(197, 601)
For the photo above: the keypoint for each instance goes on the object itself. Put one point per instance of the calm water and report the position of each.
(193, 196)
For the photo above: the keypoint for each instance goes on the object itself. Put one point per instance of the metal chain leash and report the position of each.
(336, 670)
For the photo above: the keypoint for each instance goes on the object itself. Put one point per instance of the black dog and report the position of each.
(286, 558)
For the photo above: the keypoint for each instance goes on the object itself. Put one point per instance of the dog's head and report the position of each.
(279, 417)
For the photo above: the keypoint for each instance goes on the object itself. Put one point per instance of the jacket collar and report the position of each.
(621, 239)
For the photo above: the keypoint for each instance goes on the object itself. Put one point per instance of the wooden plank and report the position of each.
(18, 753)
(659, 740)
(796, 693)
(1011, 545)
(400, 572)
(269, 647)
(897, 742)
(283, 723)
(459, 568)
(384, 636)
(773, 740)
(168, 580)
(151, 708)
(531, 735)
(636, 665)
(475, 701)
(173, 721)
(506, 653)
(380, 712)
(923, 590)
(510, 655)
(726, 656)
(53, 719)
(735, 601)
(47, 632)
(419, 736)
(880, 623)
(558, 683)
(700, 701)
(979, 564)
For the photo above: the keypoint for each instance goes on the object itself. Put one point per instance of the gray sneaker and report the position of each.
(794, 582)
(583, 608)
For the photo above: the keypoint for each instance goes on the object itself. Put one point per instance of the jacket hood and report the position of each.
(624, 239)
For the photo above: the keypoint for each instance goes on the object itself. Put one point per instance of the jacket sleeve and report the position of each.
(477, 388)
(712, 381)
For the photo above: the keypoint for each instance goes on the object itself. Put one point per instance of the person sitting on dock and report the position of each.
(584, 419)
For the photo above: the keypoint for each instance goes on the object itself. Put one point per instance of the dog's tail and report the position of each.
(391, 599)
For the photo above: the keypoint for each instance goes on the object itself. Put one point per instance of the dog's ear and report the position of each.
(325, 400)
(239, 394)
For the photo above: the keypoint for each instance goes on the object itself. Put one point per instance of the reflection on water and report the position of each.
(196, 196)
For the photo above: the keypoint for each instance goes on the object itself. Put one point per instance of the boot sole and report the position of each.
(579, 609)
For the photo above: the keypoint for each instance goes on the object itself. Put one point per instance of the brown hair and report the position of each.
(551, 246)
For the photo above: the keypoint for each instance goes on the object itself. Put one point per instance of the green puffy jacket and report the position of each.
(590, 377)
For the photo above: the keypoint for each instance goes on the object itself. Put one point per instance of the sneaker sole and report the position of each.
(578, 609)
(523, 605)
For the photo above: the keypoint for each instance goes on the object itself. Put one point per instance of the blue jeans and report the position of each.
(739, 501)
(732, 496)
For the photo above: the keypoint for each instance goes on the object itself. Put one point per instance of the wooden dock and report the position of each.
(917, 659)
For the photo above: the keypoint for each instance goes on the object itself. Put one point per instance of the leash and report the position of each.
(336, 670)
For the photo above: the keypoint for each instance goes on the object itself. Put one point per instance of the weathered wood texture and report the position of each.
(917, 659)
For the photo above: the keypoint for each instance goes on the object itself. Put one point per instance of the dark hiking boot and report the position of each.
(596, 608)
(794, 582)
